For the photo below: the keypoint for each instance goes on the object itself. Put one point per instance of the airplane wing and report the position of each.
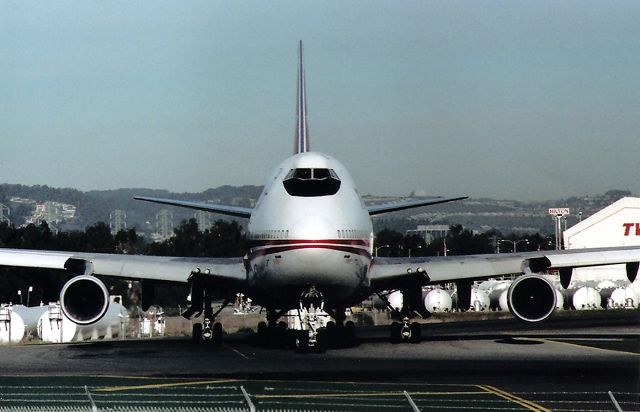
(394, 207)
(236, 211)
(165, 268)
(393, 273)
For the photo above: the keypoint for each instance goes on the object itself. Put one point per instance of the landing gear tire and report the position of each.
(416, 332)
(262, 329)
(279, 338)
(302, 341)
(216, 333)
(196, 333)
(396, 333)
(321, 341)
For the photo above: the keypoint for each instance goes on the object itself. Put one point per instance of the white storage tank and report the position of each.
(559, 299)
(635, 286)
(30, 316)
(55, 327)
(495, 294)
(438, 300)
(11, 326)
(586, 298)
(17, 321)
(623, 298)
(479, 300)
(488, 284)
(395, 299)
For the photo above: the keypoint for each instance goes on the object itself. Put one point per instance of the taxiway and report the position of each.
(570, 364)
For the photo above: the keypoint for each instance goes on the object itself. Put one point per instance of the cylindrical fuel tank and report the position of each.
(30, 316)
(17, 321)
(479, 300)
(396, 299)
(494, 294)
(623, 298)
(635, 286)
(437, 300)
(559, 299)
(487, 285)
(11, 326)
(586, 298)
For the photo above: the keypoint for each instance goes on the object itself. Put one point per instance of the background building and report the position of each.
(616, 225)
(430, 232)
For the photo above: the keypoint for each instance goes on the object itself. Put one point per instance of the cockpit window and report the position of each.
(311, 182)
(301, 173)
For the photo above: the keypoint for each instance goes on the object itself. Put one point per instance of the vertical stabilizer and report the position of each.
(302, 130)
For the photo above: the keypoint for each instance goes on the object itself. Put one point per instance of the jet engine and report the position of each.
(84, 299)
(531, 298)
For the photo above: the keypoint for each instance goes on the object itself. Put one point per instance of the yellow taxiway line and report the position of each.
(367, 394)
(575, 345)
(161, 385)
(513, 398)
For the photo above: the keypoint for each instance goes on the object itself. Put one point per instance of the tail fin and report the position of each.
(302, 130)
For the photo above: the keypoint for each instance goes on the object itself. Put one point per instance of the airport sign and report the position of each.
(559, 211)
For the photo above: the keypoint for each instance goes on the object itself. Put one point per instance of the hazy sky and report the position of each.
(508, 99)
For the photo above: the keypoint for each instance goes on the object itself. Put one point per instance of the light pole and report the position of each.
(548, 243)
(29, 294)
(515, 243)
(380, 247)
(20, 294)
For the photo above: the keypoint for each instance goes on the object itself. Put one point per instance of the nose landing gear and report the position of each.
(311, 336)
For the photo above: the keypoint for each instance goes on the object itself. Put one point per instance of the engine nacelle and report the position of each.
(531, 298)
(84, 299)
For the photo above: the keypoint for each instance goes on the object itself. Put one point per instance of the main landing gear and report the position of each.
(209, 331)
(405, 331)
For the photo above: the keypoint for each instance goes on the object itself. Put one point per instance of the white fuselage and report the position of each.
(309, 228)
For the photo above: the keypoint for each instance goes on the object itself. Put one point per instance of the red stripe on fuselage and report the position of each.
(342, 242)
(354, 246)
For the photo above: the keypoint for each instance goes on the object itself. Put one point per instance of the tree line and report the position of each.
(458, 241)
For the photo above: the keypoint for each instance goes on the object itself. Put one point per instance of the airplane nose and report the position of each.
(313, 227)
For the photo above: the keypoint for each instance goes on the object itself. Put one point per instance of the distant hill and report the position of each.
(97, 205)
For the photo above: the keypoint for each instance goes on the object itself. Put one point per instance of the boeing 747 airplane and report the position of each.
(310, 250)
